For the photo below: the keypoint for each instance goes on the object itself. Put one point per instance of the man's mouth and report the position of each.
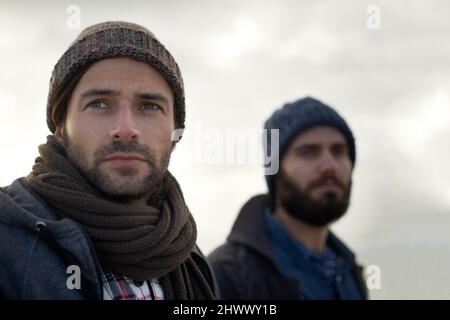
(330, 183)
(124, 159)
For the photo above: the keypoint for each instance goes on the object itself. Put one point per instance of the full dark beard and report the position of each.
(301, 206)
(151, 186)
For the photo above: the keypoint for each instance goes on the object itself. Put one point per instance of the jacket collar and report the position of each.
(23, 207)
(249, 228)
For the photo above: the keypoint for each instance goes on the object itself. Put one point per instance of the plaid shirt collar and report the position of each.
(116, 287)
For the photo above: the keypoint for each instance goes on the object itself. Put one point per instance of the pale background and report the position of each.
(243, 59)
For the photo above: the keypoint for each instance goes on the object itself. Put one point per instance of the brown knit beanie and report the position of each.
(108, 40)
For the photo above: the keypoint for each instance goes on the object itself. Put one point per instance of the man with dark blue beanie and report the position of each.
(280, 246)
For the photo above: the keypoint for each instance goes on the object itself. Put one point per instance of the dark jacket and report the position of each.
(36, 249)
(245, 266)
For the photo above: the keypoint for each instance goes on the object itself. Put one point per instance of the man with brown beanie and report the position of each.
(280, 246)
(100, 216)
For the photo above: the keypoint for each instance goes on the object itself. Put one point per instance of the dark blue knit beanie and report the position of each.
(295, 117)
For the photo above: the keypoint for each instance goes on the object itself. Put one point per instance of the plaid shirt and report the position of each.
(116, 287)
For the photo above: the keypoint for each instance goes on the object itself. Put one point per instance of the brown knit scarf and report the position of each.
(140, 241)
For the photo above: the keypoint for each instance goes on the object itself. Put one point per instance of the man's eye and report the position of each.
(307, 152)
(151, 107)
(338, 152)
(97, 104)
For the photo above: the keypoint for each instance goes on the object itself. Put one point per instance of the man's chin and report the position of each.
(327, 196)
(122, 186)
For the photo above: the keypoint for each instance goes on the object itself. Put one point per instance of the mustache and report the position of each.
(125, 147)
(324, 178)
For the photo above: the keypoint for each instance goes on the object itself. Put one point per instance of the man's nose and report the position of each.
(328, 162)
(124, 127)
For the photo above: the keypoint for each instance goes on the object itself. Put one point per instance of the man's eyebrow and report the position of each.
(98, 92)
(152, 96)
(340, 144)
(111, 92)
(307, 145)
(318, 144)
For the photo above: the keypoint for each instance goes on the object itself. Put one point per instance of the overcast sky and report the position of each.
(243, 59)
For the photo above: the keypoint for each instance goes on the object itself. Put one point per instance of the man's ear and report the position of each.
(59, 134)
